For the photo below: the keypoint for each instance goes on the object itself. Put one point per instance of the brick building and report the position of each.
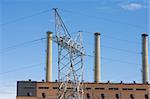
(49, 90)
(93, 90)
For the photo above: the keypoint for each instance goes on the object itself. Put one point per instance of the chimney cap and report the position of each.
(97, 33)
(144, 34)
(49, 32)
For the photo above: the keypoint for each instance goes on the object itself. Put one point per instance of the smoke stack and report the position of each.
(49, 57)
(97, 58)
(145, 67)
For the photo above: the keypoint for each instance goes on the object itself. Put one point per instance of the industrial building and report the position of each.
(71, 87)
(95, 90)
(43, 90)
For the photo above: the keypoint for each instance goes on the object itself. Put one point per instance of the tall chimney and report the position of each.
(49, 57)
(97, 58)
(145, 67)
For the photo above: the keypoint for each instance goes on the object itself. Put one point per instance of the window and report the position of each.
(29, 94)
(140, 89)
(127, 89)
(69, 88)
(29, 87)
(146, 96)
(131, 96)
(43, 95)
(88, 96)
(113, 89)
(88, 88)
(117, 96)
(55, 88)
(99, 88)
(102, 96)
(43, 87)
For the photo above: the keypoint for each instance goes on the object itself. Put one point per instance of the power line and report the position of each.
(25, 17)
(106, 19)
(119, 39)
(43, 38)
(123, 50)
(21, 44)
(119, 61)
(114, 60)
(7, 92)
(21, 68)
(119, 49)
(40, 39)
(111, 37)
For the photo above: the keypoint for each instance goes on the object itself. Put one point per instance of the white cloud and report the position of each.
(132, 6)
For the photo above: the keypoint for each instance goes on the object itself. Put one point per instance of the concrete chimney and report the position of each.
(145, 67)
(49, 58)
(97, 58)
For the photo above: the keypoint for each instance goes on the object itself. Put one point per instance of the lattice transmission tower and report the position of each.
(70, 61)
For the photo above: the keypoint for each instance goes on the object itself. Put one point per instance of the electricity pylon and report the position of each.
(70, 61)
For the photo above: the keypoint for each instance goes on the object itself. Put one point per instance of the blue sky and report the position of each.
(121, 23)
